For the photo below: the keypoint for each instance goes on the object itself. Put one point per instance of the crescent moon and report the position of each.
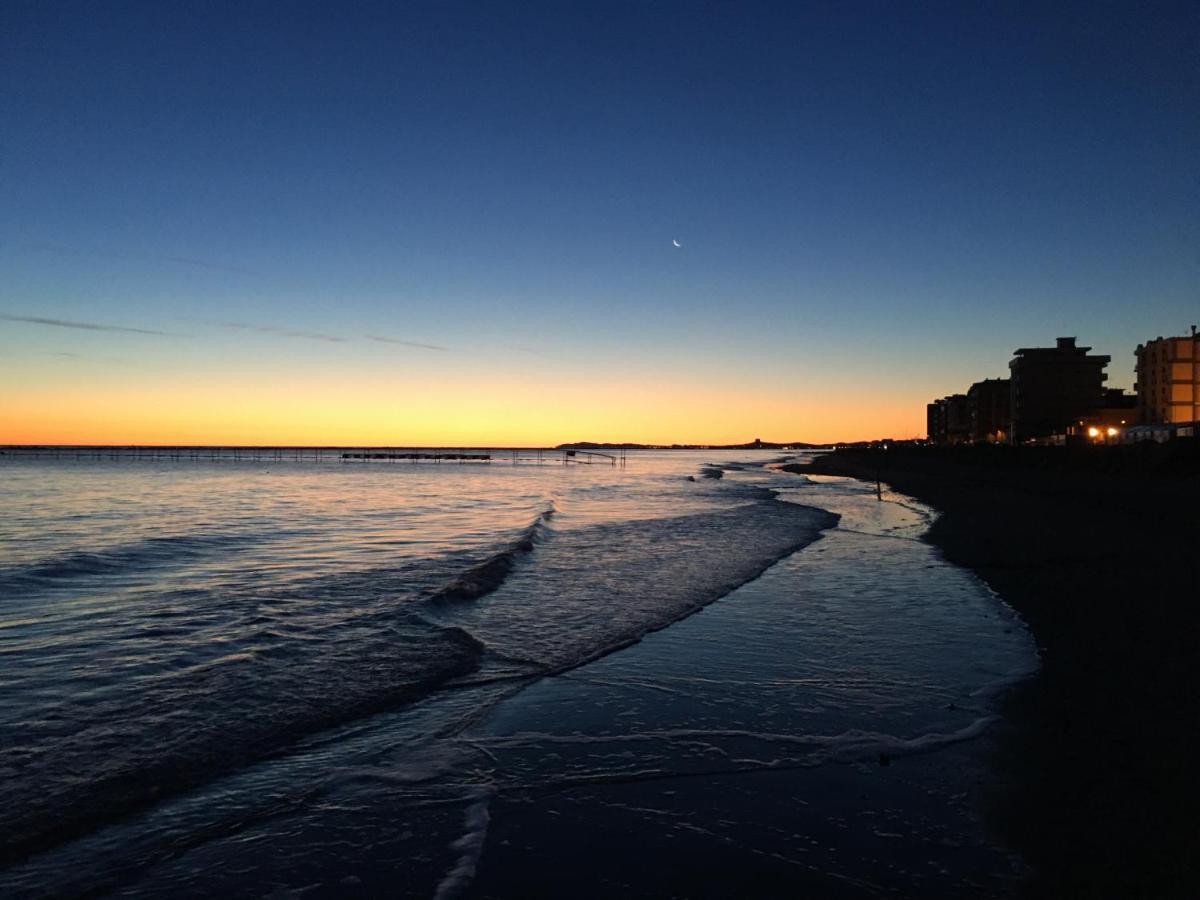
(676, 243)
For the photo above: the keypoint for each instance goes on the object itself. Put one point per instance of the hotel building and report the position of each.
(990, 403)
(1054, 387)
(1168, 380)
(948, 420)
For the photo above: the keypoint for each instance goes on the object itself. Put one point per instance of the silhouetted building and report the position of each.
(1106, 423)
(1168, 380)
(1117, 408)
(935, 423)
(990, 405)
(1115, 398)
(948, 421)
(1054, 387)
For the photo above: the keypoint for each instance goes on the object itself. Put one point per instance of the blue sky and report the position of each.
(865, 192)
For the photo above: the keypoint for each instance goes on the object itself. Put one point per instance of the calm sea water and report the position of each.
(208, 665)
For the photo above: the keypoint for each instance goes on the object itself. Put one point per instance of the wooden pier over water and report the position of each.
(358, 455)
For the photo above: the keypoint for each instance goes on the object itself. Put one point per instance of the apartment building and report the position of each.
(990, 403)
(948, 420)
(1168, 380)
(1052, 388)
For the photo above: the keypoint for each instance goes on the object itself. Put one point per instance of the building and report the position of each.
(935, 423)
(1052, 388)
(1168, 380)
(948, 421)
(1108, 422)
(990, 408)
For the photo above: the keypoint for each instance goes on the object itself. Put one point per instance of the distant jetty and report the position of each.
(329, 454)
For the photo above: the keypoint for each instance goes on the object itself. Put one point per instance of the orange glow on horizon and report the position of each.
(451, 412)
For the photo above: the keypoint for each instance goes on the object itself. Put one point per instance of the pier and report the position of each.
(347, 455)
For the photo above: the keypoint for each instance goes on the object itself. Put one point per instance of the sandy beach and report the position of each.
(1097, 780)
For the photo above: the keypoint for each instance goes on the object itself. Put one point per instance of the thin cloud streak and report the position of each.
(86, 326)
(384, 339)
(101, 253)
(285, 332)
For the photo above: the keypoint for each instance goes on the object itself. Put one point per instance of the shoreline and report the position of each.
(704, 742)
(1096, 775)
(823, 729)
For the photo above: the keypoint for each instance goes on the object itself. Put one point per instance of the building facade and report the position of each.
(1052, 388)
(1168, 380)
(935, 423)
(990, 403)
(948, 420)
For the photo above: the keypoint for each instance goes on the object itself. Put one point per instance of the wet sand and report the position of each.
(1098, 779)
(822, 731)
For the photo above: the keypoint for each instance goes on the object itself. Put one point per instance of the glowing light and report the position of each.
(1093, 432)
(1112, 432)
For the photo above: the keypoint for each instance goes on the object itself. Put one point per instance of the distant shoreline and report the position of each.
(1098, 782)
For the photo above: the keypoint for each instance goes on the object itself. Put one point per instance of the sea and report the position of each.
(692, 674)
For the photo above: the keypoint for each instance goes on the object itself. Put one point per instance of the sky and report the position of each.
(456, 223)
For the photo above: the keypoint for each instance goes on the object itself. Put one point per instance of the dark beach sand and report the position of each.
(1098, 780)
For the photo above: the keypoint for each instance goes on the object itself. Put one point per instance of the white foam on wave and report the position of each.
(585, 593)
(791, 750)
(469, 848)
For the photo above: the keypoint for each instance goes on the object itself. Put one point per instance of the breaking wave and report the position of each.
(149, 553)
(224, 677)
(592, 590)
(490, 574)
